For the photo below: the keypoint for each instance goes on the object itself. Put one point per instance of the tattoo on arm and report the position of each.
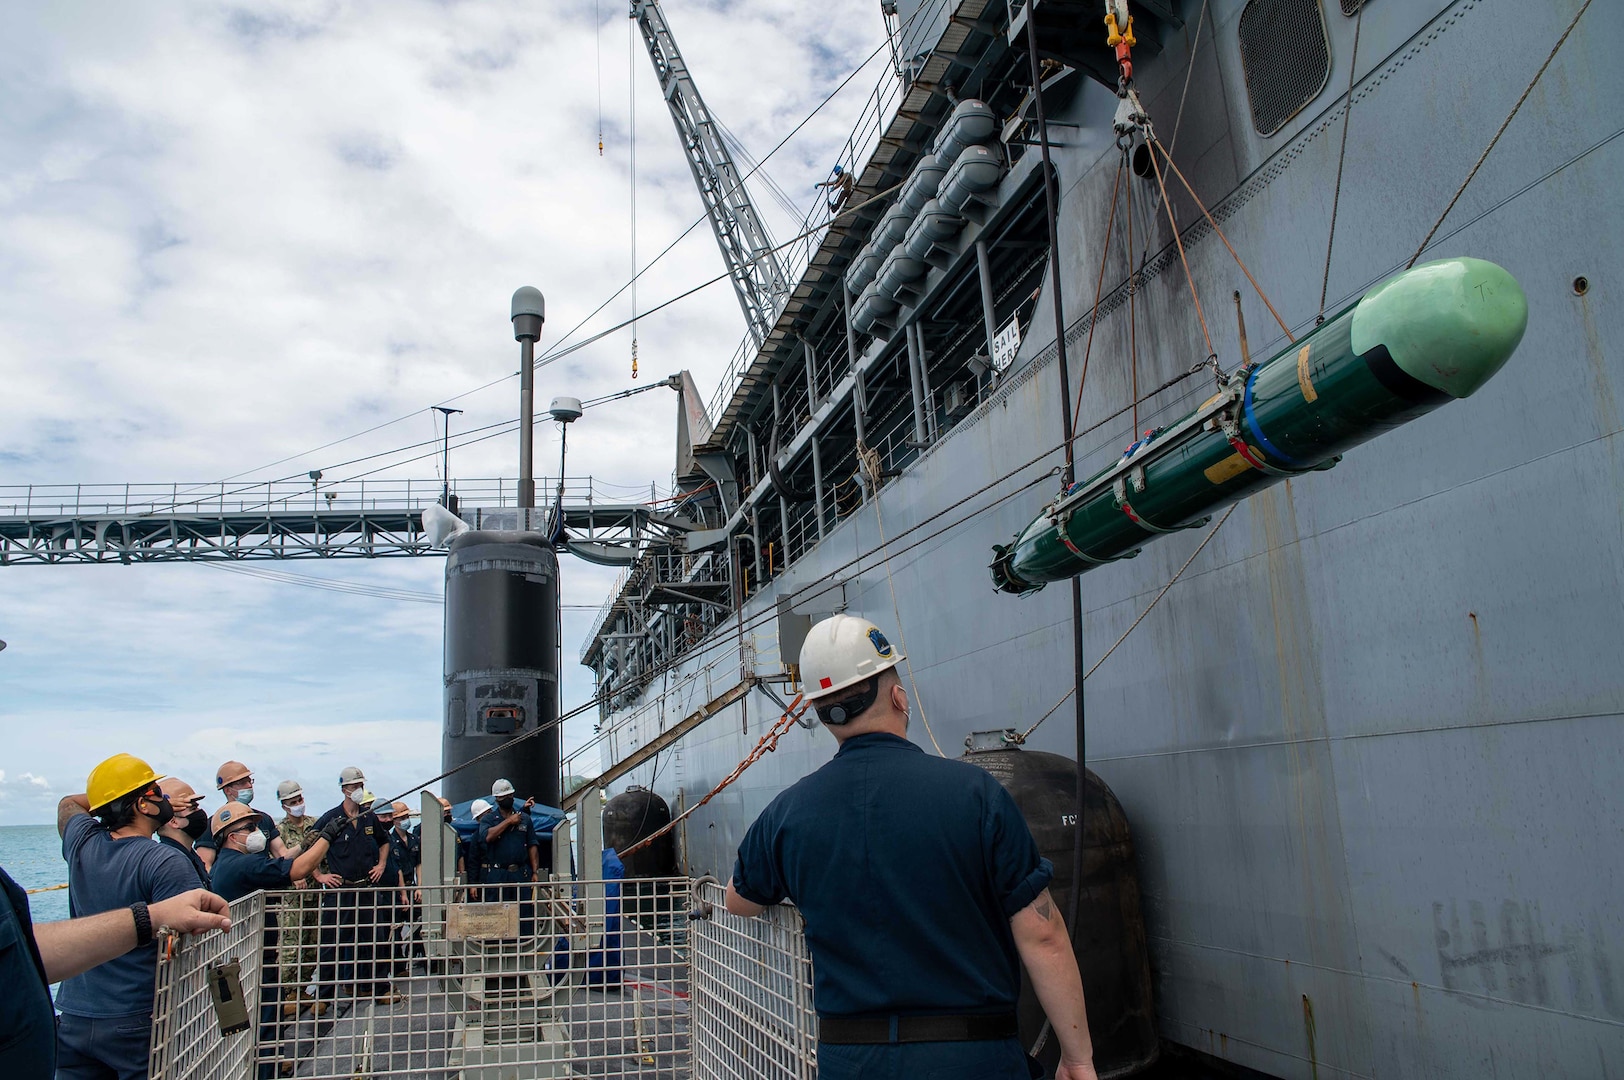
(1044, 907)
(66, 810)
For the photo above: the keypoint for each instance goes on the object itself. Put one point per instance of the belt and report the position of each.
(509, 866)
(973, 1027)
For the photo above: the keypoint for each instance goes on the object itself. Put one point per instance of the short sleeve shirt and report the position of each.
(105, 874)
(354, 852)
(191, 856)
(405, 849)
(512, 848)
(907, 869)
(27, 1022)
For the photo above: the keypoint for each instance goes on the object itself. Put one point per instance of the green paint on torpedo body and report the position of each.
(1451, 324)
(1353, 378)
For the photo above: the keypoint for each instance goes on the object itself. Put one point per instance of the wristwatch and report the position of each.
(143, 923)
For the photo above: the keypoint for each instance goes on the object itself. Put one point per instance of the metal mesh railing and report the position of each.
(186, 1039)
(752, 994)
(514, 981)
(483, 982)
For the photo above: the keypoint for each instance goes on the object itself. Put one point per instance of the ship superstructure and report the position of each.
(1368, 740)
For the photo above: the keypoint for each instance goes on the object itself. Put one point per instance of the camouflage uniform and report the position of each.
(300, 921)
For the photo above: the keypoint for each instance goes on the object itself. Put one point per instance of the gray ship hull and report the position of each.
(1369, 743)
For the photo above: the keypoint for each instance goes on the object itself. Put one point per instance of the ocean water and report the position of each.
(32, 855)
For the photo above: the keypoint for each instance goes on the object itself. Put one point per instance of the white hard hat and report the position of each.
(351, 775)
(501, 788)
(841, 651)
(479, 809)
(288, 789)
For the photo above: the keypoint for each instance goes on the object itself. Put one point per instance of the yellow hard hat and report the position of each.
(230, 773)
(230, 816)
(116, 777)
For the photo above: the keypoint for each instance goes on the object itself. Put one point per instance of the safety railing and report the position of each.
(482, 982)
(186, 1038)
(752, 1009)
(610, 979)
(137, 500)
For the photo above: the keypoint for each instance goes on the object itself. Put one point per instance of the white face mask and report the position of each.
(294, 809)
(254, 842)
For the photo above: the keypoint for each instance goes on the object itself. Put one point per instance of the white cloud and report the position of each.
(233, 233)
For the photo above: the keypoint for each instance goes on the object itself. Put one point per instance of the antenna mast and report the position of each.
(758, 278)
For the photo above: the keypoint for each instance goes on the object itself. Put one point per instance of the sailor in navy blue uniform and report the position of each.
(507, 838)
(359, 855)
(921, 886)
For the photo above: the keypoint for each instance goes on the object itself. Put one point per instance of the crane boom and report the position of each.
(758, 278)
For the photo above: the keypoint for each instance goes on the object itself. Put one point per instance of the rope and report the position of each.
(873, 466)
(1133, 320)
(1341, 156)
(45, 888)
(764, 746)
(1183, 259)
(1227, 245)
(1099, 286)
(1170, 583)
(1584, 7)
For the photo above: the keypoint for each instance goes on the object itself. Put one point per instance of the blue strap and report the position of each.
(1257, 432)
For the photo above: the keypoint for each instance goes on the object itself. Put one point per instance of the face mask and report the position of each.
(197, 823)
(245, 796)
(351, 794)
(448, 817)
(505, 804)
(164, 814)
(294, 809)
(254, 842)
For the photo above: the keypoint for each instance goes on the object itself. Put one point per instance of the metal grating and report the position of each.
(1286, 55)
(1351, 7)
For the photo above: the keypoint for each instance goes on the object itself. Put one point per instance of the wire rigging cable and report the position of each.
(858, 70)
(1341, 158)
(1494, 141)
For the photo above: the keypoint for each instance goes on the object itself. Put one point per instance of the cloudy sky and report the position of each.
(230, 233)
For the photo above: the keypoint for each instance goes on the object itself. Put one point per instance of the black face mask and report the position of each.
(197, 823)
(505, 804)
(165, 812)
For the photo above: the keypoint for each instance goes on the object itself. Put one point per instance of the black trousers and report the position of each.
(352, 943)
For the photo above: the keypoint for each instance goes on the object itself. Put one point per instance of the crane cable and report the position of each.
(631, 186)
(597, 41)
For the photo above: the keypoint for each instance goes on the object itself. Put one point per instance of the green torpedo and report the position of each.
(1419, 339)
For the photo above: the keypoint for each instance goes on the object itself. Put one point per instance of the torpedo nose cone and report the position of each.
(1451, 324)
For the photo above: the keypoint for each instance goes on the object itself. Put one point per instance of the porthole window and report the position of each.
(1286, 56)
